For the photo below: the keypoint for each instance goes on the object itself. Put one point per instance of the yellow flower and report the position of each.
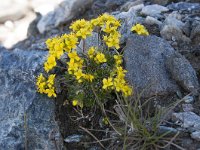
(91, 52)
(74, 55)
(127, 91)
(107, 83)
(112, 40)
(100, 58)
(118, 59)
(50, 92)
(50, 81)
(82, 28)
(78, 74)
(118, 84)
(75, 102)
(89, 77)
(140, 29)
(40, 79)
(41, 87)
(70, 41)
(50, 63)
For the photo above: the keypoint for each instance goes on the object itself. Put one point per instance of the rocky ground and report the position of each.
(167, 62)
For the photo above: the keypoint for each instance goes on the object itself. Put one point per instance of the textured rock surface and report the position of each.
(188, 120)
(153, 10)
(184, 6)
(173, 29)
(181, 70)
(146, 59)
(27, 118)
(196, 135)
(66, 11)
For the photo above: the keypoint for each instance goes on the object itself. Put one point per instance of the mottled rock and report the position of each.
(184, 6)
(27, 118)
(89, 42)
(195, 34)
(112, 4)
(98, 7)
(177, 66)
(66, 11)
(172, 29)
(153, 10)
(130, 4)
(196, 135)
(145, 59)
(160, 2)
(187, 120)
(148, 60)
(152, 21)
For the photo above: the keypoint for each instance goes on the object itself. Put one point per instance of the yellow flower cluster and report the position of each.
(82, 28)
(67, 43)
(57, 46)
(109, 25)
(117, 79)
(46, 86)
(75, 67)
(140, 29)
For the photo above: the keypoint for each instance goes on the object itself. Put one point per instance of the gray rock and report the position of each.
(66, 11)
(187, 107)
(112, 4)
(98, 7)
(187, 120)
(128, 19)
(145, 59)
(153, 10)
(154, 66)
(173, 33)
(195, 34)
(184, 6)
(152, 21)
(12, 10)
(130, 4)
(89, 42)
(160, 2)
(196, 135)
(27, 119)
(172, 29)
(182, 71)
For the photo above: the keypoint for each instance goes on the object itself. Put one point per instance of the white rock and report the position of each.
(64, 12)
(153, 10)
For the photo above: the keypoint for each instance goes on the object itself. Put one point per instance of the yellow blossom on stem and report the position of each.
(107, 83)
(82, 28)
(74, 55)
(50, 92)
(91, 52)
(50, 63)
(140, 29)
(78, 74)
(89, 77)
(118, 59)
(112, 40)
(100, 58)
